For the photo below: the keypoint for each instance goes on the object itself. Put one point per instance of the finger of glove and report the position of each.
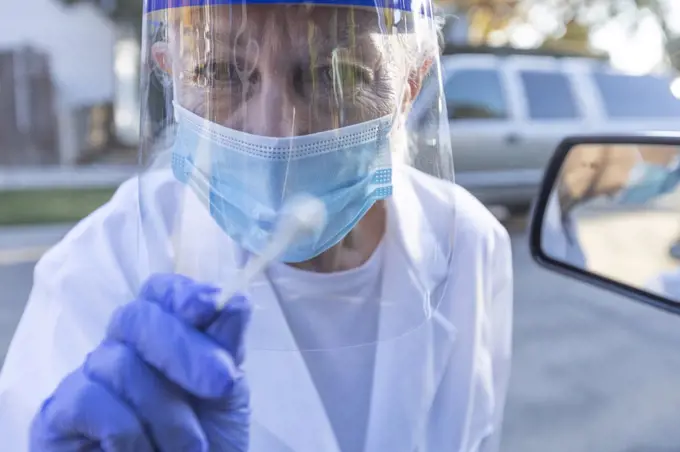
(193, 302)
(229, 328)
(182, 354)
(226, 422)
(168, 417)
(81, 409)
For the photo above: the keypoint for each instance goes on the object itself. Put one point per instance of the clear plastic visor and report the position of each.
(278, 160)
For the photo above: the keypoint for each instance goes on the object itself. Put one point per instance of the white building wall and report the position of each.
(79, 39)
(80, 43)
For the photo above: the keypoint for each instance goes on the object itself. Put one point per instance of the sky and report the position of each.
(638, 52)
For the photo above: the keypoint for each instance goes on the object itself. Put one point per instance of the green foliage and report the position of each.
(498, 14)
(50, 206)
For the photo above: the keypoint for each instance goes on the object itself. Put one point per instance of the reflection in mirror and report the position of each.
(615, 212)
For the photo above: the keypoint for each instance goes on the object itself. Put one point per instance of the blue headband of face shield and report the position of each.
(420, 7)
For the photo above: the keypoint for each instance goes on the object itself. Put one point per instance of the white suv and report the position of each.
(508, 110)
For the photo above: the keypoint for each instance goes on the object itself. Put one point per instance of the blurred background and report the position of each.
(592, 371)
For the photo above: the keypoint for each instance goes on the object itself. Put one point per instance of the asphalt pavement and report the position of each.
(592, 372)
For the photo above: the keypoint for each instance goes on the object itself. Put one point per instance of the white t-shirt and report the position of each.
(334, 317)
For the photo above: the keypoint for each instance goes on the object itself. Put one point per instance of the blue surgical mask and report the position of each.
(648, 181)
(245, 180)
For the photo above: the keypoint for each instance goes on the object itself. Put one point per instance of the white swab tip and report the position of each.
(309, 212)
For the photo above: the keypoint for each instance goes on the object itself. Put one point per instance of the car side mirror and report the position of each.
(608, 214)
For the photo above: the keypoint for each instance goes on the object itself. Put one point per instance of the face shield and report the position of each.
(278, 160)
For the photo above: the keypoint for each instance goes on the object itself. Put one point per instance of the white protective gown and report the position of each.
(559, 239)
(462, 357)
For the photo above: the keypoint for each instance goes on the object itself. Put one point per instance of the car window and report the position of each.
(549, 95)
(633, 96)
(475, 94)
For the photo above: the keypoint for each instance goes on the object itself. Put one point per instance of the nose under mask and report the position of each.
(247, 180)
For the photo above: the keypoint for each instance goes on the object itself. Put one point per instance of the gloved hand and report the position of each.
(166, 378)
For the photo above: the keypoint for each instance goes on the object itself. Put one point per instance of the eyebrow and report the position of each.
(347, 38)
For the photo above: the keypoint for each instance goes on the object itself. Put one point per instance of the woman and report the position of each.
(382, 319)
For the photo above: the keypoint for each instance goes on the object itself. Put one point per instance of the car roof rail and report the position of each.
(456, 49)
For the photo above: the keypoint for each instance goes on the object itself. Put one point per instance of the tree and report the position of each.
(576, 39)
(484, 16)
(630, 12)
(487, 16)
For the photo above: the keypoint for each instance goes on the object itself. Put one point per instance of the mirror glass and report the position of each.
(615, 211)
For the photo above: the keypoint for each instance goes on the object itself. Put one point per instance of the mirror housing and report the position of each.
(588, 179)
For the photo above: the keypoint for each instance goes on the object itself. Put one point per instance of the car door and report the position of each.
(481, 115)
